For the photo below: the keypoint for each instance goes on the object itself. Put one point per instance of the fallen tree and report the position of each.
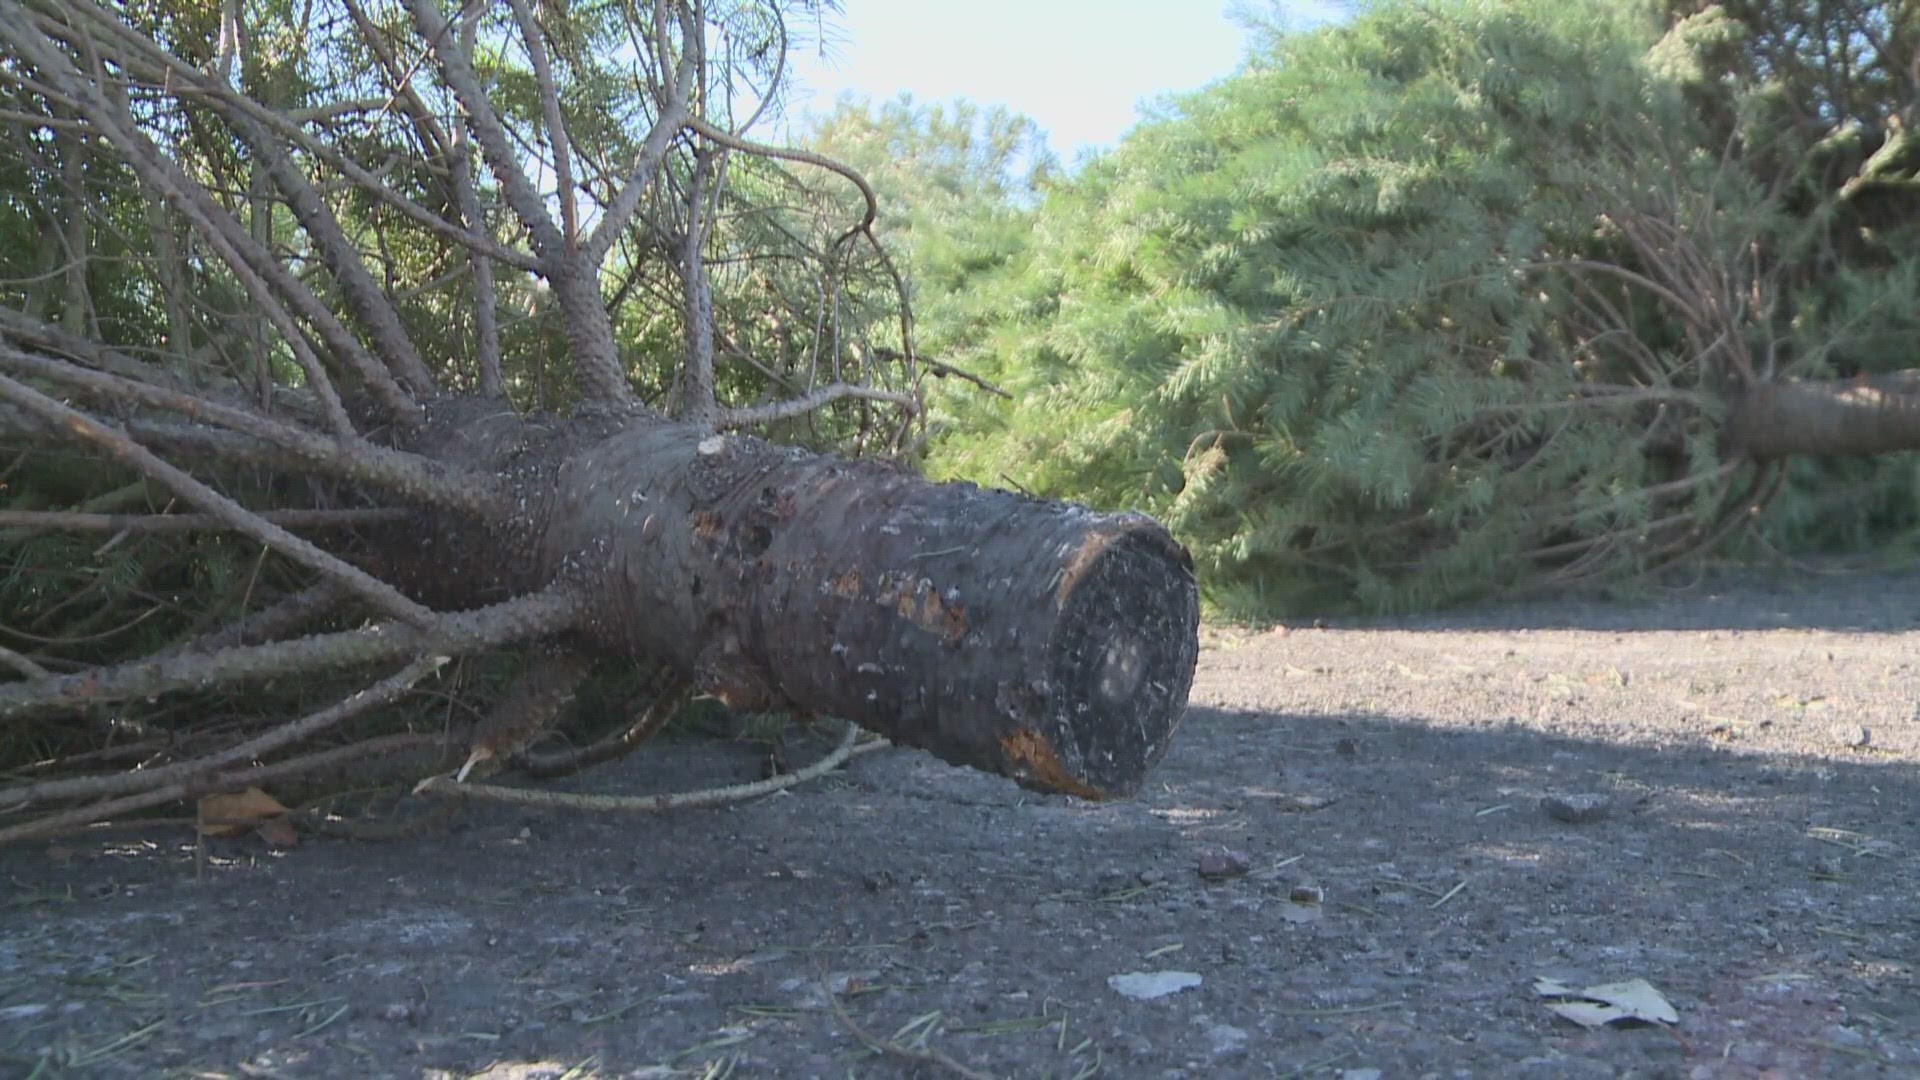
(327, 219)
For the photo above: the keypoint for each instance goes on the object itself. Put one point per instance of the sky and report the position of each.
(1077, 67)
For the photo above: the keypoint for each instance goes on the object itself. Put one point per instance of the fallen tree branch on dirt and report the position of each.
(452, 788)
(379, 311)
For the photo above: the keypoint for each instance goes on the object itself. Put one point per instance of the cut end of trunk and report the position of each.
(1120, 662)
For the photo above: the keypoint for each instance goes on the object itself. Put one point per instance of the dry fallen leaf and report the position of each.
(1607, 1003)
(1147, 985)
(235, 812)
(278, 833)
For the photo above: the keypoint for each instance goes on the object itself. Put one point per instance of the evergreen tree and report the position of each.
(1456, 297)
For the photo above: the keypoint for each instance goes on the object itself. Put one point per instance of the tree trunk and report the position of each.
(1873, 415)
(1039, 640)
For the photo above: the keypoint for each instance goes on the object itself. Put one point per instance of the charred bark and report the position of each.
(1039, 640)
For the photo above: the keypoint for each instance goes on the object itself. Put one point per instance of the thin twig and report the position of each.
(93, 787)
(652, 804)
(928, 1056)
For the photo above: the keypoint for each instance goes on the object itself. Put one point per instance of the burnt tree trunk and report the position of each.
(1035, 639)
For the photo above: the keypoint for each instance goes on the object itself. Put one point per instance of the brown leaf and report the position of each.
(233, 813)
(278, 833)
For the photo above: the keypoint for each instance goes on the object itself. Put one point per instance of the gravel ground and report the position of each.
(1367, 846)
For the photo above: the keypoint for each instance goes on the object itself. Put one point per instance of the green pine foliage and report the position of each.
(1320, 317)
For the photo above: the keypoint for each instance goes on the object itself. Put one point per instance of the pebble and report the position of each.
(1219, 865)
(1580, 809)
(1853, 736)
(1839, 1035)
(1227, 1040)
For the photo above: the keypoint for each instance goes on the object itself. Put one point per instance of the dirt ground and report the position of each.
(1738, 761)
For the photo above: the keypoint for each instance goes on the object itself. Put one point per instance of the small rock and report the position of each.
(1839, 1035)
(1147, 985)
(1853, 736)
(1346, 747)
(1227, 1040)
(399, 1011)
(1301, 913)
(1049, 911)
(1581, 809)
(1307, 894)
(1223, 864)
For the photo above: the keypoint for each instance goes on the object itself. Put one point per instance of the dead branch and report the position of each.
(550, 764)
(415, 479)
(817, 399)
(95, 787)
(42, 520)
(697, 402)
(456, 67)
(448, 787)
(521, 619)
(232, 514)
(556, 124)
(284, 616)
(381, 747)
(674, 114)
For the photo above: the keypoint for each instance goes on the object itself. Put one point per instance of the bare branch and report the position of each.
(520, 619)
(697, 402)
(23, 665)
(96, 787)
(283, 616)
(75, 521)
(239, 518)
(825, 395)
(167, 72)
(674, 116)
(385, 748)
(254, 267)
(376, 313)
(556, 124)
(805, 157)
(28, 330)
(447, 787)
(486, 301)
(644, 726)
(456, 67)
(411, 477)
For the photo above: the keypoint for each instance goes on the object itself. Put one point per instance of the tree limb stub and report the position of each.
(1873, 415)
(1042, 641)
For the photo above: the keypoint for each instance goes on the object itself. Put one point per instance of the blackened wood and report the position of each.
(1040, 640)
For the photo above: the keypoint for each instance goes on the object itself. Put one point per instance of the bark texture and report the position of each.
(1875, 415)
(1040, 640)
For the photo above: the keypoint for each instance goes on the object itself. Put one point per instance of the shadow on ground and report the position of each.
(1754, 867)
